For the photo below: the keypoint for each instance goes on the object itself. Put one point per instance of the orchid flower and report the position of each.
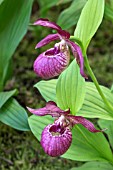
(56, 138)
(55, 60)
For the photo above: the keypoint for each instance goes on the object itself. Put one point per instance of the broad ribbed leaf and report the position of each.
(69, 16)
(38, 123)
(89, 21)
(86, 146)
(47, 89)
(95, 166)
(14, 19)
(4, 96)
(94, 106)
(109, 125)
(14, 115)
(70, 90)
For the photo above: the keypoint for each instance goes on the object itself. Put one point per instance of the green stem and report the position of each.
(96, 83)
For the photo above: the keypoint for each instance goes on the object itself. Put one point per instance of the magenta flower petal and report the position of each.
(86, 123)
(55, 141)
(78, 55)
(64, 34)
(47, 23)
(47, 40)
(52, 62)
(50, 109)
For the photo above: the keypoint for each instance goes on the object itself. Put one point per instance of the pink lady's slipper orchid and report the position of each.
(56, 138)
(53, 61)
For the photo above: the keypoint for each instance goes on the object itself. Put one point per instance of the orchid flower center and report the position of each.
(51, 52)
(58, 48)
(62, 46)
(56, 130)
(59, 127)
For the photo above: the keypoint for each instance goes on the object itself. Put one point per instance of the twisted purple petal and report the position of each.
(50, 109)
(47, 23)
(78, 55)
(64, 34)
(86, 123)
(55, 140)
(47, 40)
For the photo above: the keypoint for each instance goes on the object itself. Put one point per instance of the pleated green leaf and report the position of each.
(69, 16)
(89, 21)
(86, 146)
(94, 106)
(95, 166)
(14, 19)
(70, 89)
(14, 115)
(4, 96)
(38, 123)
(109, 125)
(47, 89)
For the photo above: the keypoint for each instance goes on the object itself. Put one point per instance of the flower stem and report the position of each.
(96, 83)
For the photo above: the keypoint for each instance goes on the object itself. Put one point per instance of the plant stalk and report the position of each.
(96, 83)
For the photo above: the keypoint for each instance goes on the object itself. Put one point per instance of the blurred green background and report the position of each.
(20, 150)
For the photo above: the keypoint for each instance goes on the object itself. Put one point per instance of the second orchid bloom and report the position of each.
(56, 138)
(55, 60)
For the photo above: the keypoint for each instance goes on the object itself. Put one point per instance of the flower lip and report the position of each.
(55, 144)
